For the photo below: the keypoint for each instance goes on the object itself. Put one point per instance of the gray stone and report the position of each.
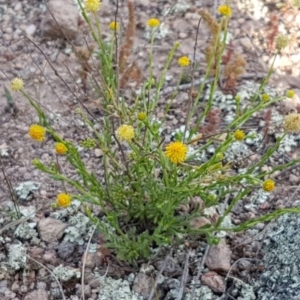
(214, 281)
(51, 230)
(30, 29)
(38, 294)
(218, 258)
(142, 285)
(65, 22)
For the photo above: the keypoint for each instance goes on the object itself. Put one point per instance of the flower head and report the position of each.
(281, 42)
(239, 135)
(61, 148)
(176, 152)
(92, 5)
(291, 123)
(125, 132)
(153, 23)
(290, 94)
(268, 185)
(237, 99)
(142, 116)
(114, 26)
(184, 61)
(17, 84)
(265, 97)
(225, 10)
(88, 143)
(63, 200)
(37, 132)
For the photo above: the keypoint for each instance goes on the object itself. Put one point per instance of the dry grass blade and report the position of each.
(200, 267)
(83, 264)
(184, 276)
(157, 277)
(60, 287)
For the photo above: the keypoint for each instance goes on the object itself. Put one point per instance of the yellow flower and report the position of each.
(125, 133)
(176, 152)
(239, 135)
(114, 26)
(17, 84)
(225, 10)
(291, 123)
(265, 97)
(268, 185)
(153, 23)
(92, 5)
(184, 61)
(63, 200)
(290, 94)
(61, 148)
(37, 132)
(281, 42)
(142, 116)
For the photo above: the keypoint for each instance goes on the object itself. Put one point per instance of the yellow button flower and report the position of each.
(184, 61)
(153, 23)
(125, 133)
(268, 185)
(37, 132)
(265, 97)
(225, 10)
(61, 148)
(142, 116)
(239, 135)
(291, 123)
(290, 93)
(63, 200)
(92, 5)
(176, 152)
(17, 84)
(114, 26)
(281, 42)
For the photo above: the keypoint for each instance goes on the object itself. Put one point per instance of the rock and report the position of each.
(244, 264)
(218, 258)
(214, 281)
(199, 222)
(98, 152)
(293, 179)
(65, 249)
(38, 294)
(30, 29)
(51, 230)
(87, 290)
(65, 22)
(246, 43)
(15, 286)
(93, 259)
(171, 268)
(50, 257)
(142, 285)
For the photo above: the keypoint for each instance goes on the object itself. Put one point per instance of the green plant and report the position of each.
(146, 180)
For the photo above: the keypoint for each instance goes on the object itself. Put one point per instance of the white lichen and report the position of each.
(112, 289)
(24, 189)
(26, 231)
(65, 274)
(17, 256)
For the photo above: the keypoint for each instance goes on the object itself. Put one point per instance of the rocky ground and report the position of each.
(37, 247)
